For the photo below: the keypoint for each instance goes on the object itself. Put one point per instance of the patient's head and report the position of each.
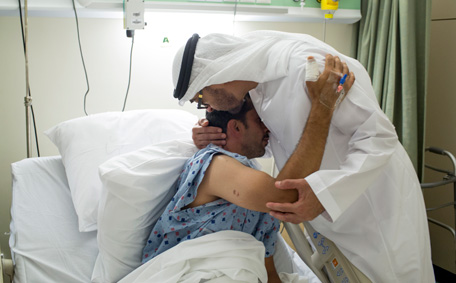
(245, 133)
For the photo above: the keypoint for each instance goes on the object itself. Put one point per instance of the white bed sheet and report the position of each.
(225, 256)
(45, 242)
(228, 256)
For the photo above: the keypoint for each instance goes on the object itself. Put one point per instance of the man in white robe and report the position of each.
(366, 196)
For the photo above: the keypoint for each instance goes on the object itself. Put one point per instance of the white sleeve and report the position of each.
(371, 141)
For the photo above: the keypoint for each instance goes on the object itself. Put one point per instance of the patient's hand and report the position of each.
(324, 90)
(203, 135)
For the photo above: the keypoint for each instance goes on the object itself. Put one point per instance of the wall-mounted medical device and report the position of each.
(329, 7)
(348, 11)
(133, 14)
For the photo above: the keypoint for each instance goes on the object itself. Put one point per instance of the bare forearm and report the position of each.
(308, 153)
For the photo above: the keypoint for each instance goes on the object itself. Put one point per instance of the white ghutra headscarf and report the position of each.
(258, 56)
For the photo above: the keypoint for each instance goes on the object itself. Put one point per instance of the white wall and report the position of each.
(58, 84)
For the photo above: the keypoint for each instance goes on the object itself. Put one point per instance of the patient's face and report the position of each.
(256, 136)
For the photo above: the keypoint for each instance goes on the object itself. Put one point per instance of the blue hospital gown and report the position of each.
(177, 224)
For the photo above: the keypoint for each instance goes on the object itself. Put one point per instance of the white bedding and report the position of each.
(225, 256)
(230, 256)
(47, 246)
(45, 242)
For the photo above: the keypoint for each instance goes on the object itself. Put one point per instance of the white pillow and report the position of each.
(137, 187)
(84, 143)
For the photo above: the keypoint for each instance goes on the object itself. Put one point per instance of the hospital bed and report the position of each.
(73, 219)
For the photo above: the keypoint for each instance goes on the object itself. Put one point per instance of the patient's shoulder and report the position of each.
(222, 156)
(221, 159)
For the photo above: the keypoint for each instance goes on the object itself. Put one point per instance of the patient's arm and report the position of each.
(229, 179)
(249, 188)
(273, 277)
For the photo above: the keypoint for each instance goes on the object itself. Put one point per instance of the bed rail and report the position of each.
(6, 269)
(324, 258)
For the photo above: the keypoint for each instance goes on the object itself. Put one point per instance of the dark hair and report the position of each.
(221, 118)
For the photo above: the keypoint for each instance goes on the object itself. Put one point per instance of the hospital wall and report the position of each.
(440, 127)
(58, 83)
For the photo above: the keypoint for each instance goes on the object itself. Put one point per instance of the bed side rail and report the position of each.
(326, 261)
(6, 269)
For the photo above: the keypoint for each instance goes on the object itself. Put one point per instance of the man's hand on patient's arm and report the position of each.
(305, 209)
(203, 134)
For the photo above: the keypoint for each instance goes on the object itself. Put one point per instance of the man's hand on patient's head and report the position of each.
(203, 134)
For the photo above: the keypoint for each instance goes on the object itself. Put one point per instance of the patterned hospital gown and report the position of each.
(177, 224)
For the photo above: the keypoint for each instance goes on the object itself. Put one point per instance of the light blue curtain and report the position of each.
(393, 45)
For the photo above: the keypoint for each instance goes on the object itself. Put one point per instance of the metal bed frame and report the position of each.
(448, 178)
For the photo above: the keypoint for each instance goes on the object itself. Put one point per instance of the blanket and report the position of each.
(226, 256)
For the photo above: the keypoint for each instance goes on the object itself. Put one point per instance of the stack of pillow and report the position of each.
(121, 169)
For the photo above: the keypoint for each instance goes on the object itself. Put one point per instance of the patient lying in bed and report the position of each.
(221, 189)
